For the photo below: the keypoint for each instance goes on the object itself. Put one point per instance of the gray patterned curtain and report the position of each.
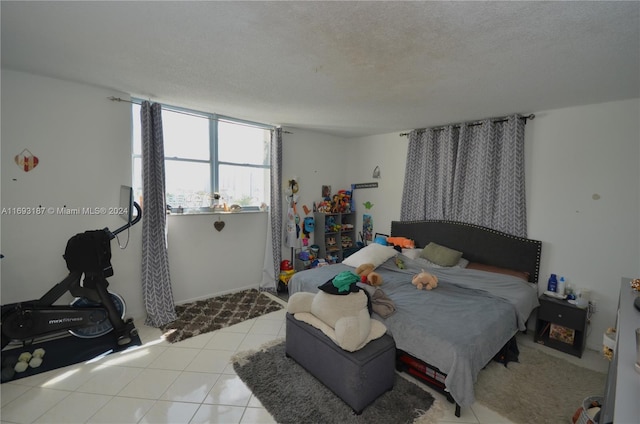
(156, 283)
(273, 252)
(472, 173)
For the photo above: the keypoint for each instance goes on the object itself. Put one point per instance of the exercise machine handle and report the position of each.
(112, 234)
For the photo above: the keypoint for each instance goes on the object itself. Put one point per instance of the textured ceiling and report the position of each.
(344, 68)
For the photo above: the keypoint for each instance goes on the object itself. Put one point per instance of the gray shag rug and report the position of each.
(539, 388)
(203, 316)
(292, 395)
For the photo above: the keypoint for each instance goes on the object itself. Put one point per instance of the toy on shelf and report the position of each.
(324, 207)
(331, 226)
(341, 202)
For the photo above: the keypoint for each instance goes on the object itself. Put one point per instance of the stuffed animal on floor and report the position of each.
(343, 316)
(368, 275)
(424, 280)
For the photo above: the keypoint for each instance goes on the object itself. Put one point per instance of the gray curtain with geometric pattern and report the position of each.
(156, 282)
(273, 252)
(471, 172)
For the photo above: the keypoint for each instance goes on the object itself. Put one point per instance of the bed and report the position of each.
(450, 333)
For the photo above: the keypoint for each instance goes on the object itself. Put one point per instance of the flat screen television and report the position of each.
(126, 203)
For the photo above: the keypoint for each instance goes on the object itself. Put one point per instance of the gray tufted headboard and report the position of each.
(478, 244)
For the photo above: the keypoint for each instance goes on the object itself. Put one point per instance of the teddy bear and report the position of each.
(343, 317)
(424, 280)
(368, 275)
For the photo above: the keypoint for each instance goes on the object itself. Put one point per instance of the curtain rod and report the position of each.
(196, 115)
(473, 124)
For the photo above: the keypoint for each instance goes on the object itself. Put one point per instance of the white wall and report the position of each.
(571, 154)
(204, 261)
(389, 152)
(83, 144)
(583, 199)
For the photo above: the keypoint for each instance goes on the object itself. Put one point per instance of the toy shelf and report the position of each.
(334, 233)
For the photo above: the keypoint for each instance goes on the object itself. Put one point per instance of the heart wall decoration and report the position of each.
(26, 160)
(219, 225)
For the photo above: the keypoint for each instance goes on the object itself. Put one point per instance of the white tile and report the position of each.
(266, 326)
(71, 379)
(11, 391)
(66, 378)
(257, 416)
(150, 384)
(254, 402)
(140, 357)
(148, 334)
(109, 380)
(210, 361)
(196, 342)
(122, 410)
(32, 404)
(229, 390)
(215, 414)
(174, 358)
(241, 327)
(190, 387)
(279, 315)
(486, 415)
(254, 341)
(225, 341)
(75, 408)
(170, 412)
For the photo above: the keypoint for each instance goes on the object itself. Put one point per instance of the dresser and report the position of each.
(622, 391)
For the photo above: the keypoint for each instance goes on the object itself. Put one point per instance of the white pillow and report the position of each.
(412, 253)
(374, 253)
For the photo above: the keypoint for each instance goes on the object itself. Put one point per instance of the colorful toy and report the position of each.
(324, 206)
(424, 280)
(340, 203)
(402, 242)
(368, 275)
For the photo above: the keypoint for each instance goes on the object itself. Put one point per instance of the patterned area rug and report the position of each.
(207, 315)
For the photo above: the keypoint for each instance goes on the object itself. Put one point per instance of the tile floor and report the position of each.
(187, 382)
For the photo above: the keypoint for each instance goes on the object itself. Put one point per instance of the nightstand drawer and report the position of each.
(564, 315)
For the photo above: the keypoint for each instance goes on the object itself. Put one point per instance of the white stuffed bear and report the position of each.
(344, 319)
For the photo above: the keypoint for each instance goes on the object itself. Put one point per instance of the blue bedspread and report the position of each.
(457, 327)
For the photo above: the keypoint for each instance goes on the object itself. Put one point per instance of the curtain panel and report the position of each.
(273, 250)
(156, 282)
(470, 172)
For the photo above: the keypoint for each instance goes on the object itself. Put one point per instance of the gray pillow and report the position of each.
(441, 255)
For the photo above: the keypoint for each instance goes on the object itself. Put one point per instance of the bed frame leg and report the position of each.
(457, 410)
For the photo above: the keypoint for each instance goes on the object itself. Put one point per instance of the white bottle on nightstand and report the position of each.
(561, 286)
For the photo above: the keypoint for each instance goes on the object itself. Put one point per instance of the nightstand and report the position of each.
(561, 325)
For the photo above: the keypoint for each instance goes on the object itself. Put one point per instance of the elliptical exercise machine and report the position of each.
(93, 313)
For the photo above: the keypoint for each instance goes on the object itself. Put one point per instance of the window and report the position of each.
(206, 154)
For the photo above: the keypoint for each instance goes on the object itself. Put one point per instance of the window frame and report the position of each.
(214, 163)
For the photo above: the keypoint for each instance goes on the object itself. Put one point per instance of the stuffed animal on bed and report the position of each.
(401, 242)
(424, 280)
(343, 317)
(368, 275)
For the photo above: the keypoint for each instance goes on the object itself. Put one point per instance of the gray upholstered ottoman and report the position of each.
(358, 378)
